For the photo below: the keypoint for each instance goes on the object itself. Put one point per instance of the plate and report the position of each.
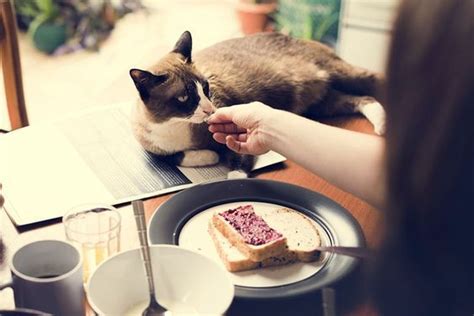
(194, 235)
(337, 227)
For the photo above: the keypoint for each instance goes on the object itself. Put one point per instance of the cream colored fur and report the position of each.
(159, 138)
(375, 113)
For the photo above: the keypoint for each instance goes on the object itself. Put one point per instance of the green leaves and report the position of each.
(36, 8)
(309, 19)
(26, 8)
(45, 5)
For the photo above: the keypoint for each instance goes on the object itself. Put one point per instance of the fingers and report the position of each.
(226, 128)
(221, 137)
(229, 141)
(222, 115)
(237, 146)
(241, 115)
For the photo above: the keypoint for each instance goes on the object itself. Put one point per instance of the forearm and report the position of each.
(352, 161)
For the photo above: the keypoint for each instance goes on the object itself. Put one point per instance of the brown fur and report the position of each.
(280, 71)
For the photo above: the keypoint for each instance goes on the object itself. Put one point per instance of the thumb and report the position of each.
(221, 115)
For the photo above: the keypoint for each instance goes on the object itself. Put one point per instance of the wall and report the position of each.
(364, 32)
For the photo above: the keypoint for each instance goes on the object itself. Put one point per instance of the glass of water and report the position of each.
(95, 230)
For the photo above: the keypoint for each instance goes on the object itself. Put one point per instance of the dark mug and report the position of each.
(47, 277)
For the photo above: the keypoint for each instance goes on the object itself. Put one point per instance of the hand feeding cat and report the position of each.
(180, 91)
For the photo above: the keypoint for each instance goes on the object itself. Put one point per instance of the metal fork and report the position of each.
(356, 252)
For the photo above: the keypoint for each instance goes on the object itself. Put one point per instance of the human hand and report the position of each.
(243, 128)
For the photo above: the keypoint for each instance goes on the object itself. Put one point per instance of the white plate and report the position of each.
(195, 236)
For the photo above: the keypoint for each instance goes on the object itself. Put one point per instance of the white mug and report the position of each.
(47, 276)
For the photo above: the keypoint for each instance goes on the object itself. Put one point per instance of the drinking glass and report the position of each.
(95, 230)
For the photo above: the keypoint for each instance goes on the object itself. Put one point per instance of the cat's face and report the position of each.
(173, 89)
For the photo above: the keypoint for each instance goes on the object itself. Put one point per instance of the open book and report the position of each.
(92, 157)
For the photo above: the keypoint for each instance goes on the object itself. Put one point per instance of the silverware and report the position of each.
(154, 308)
(356, 252)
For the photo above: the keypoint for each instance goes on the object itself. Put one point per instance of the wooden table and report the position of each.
(369, 219)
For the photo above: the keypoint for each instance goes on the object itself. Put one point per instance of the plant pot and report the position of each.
(49, 36)
(254, 17)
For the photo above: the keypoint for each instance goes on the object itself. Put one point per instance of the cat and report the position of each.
(182, 89)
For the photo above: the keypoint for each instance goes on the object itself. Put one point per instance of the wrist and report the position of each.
(284, 131)
(273, 125)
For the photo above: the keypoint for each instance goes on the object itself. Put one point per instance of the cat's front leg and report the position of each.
(199, 158)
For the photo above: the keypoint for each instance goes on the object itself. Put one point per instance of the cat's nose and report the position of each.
(207, 107)
(208, 111)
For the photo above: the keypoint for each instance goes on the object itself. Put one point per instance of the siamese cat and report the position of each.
(182, 89)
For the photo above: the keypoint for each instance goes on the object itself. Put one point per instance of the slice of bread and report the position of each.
(249, 233)
(301, 234)
(236, 261)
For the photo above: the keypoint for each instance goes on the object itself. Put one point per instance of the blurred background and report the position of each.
(76, 54)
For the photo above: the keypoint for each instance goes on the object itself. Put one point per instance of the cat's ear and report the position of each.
(145, 80)
(184, 46)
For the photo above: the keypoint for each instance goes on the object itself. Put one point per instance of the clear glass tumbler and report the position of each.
(95, 230)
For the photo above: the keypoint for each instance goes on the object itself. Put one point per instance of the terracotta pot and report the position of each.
(254, 17)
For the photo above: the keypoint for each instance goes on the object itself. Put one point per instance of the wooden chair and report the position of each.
(11, 66)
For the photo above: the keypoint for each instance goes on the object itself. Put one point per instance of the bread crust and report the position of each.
(243, 263)
(306, 246)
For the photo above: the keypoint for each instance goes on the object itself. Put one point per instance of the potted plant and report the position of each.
(309, 19)
(62, 26)
(40, 19)
(254, 15)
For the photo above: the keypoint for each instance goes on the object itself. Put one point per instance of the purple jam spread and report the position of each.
(252, 227)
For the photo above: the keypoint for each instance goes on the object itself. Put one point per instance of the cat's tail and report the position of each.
(356, 81)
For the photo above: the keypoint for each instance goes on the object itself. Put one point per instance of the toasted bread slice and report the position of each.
(249, 233)
(301, 234)
(236, 261)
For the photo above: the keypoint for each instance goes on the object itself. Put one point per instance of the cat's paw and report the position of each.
(199, 158)
(237, 174)
(380, 128)
(375, 113)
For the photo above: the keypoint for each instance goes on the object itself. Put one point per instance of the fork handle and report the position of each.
(356, 252)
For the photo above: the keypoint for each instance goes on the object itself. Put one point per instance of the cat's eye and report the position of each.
(183, 98)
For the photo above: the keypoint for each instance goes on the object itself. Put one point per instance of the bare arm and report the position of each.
(352, 161)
